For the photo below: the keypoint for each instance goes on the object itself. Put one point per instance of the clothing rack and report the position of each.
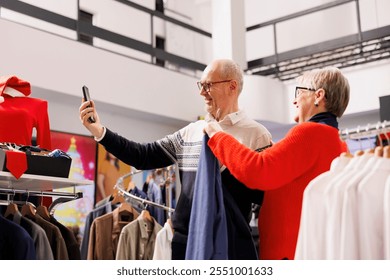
(42, 193)
(119, 187)
(62, 197)
(365, 131)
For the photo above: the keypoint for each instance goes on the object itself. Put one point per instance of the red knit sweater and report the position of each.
(283, 171)
(18, 117)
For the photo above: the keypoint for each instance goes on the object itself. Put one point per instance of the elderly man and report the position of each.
(220, 86)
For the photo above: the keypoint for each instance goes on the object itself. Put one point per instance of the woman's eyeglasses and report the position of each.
(302, 88)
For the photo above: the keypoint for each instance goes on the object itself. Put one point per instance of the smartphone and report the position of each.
(88, 98)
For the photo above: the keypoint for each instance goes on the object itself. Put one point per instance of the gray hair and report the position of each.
(232, 70)
(334, 83)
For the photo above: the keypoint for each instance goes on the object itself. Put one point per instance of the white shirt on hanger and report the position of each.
(349, 244)
(370, 199)
(311, 237)
(163, 245)
(386, 218)
(334, 195)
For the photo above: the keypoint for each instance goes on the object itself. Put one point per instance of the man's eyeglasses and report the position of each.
(304, 88)
(207, 86)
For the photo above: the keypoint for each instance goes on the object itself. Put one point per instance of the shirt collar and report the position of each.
(230, 119)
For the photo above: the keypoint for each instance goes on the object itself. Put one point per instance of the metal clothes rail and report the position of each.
(365, 131)
(120, 188)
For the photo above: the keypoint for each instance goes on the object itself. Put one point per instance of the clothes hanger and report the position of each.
(28, 209)
(346, 154)
(386, 152)
(378, 151)
(117, 198)
(358, 153)
(42, 211)
(126, 212)
(12, 208)
(145, 215)
(130, 186)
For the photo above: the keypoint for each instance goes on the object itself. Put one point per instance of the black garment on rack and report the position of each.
(70, 240)
(15, 242)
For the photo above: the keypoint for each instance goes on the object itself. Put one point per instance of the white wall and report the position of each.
(122, 19)
(264, 99)
(66, 8)
(64, 65)
(310, 29)
(184, 42)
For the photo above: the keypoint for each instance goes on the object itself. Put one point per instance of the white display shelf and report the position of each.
(30, 182)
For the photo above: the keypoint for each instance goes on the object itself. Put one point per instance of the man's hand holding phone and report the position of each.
(89, 117)
(88, 98)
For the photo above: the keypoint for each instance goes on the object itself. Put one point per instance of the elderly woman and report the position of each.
(284, 170)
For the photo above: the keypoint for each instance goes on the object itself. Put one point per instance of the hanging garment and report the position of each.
(207, 233)
(139, 193)
(54, 236)
(104, 235)
(15, 242)
(312, 229)
(154, 194)
(71, 243)
(137, 240)
(97, 212)
(349, 239)
(43, 250)
(356, 218)
(370, 195)
(334, 200)
(386, 219)
(163, 245)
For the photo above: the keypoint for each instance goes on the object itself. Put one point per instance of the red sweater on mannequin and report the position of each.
(283, 171)
(19, 114)
(18, 117)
